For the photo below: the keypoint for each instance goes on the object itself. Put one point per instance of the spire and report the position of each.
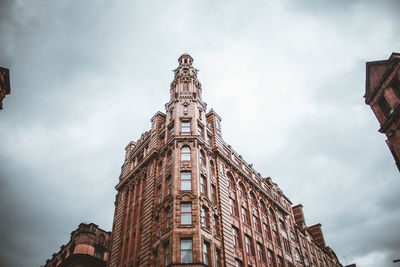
(185, 82)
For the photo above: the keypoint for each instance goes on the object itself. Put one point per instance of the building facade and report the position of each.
(186, 198)
(382, 94)
(88, 247)
(4, 84)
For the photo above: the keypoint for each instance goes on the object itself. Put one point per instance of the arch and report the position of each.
(264, 210)
(253, 199)
(160, 167)
(272, 213)
(241, 190)
(185, 153)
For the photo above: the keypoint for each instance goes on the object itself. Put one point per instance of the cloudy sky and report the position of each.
(287, 78)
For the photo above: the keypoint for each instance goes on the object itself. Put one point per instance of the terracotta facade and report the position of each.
(4, 84)
(88, 247)
(186, 198)
(382, 94)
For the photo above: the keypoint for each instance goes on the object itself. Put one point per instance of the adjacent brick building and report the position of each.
(186, 198)
(382, 94)
(88, 247)
(4, 85)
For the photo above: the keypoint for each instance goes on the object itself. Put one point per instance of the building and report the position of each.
(88, 247)
(382, 94)
(4, 85)
(186, 198)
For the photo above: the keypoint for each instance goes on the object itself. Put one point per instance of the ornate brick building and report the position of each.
(88, 247)
(4, 85)
(382, 94)
(186, 198)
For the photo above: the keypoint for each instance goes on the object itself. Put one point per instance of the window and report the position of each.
(286, 245)
(282, 224)
(206, 253)
(218, 258)
(99, 253)
(297, 255)
(385, 107)
(203, 185)
(236, 240)
(155, 258)
(168, 186)
(185, 126)
(306, 262)
(208, 140)
(253, 200)
(276, 238)
(159, 194)
(167, 219)
(162, 139)
(241, 189)
(267, 233)
(200, 130)
(169, 158)
(171, 131)
(160, 168)
(256, 224)
(185, 153)
(271, 262)
(238, 263)
(292, 236)
(186, 180)
(231, 182)
(245, 217)
(280, 261)
(249, 247)
(166, 255)
(186, 250)
(232, 206)
(213, 194)
(216, 226)
(260, 252)
(212, 169)
(202, 158)
(204, 217)
(186, 213)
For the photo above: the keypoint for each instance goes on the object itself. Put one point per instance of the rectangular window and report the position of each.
(206, 253)
(280, 262)
(208, 140)
(385, 107)
(232, 206)
(186, 180)
(159, 194)
(217, 258)
(236, 240)
(256, 224)
(168, 219)
(245, 217)
(203, 185)
(166, 255)
(204, 217)
(271, 258)
(163, 139)
(216, 226)
(185, 126)
(200, 130)
(171, 131)
(267, 233)
(260, 252)
(276, 238)
(238, 263)
(282, 224)
(249, 248)
(186, 250)
(168, 187)
(186, 213)
(213, 194)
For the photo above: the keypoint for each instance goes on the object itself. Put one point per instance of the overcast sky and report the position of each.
(287, 78)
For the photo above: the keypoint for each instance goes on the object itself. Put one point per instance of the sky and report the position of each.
(287, 78)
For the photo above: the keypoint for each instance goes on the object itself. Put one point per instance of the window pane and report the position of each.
(186, 256)
(186, 207)
(186, 185)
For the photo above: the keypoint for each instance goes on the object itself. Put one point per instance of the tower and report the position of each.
(382, 94)
(186, 198)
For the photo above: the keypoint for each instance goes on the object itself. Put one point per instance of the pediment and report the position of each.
(186, 196)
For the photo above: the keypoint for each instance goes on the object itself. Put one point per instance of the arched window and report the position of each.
(264, 209)
(185, 153)
(253, 199)
(202, 158)
(297, 255)
(169, 158)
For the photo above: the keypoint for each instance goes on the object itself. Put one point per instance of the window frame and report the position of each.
(186, 180)
(185, 126)
(189, 204)
(191, 249)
